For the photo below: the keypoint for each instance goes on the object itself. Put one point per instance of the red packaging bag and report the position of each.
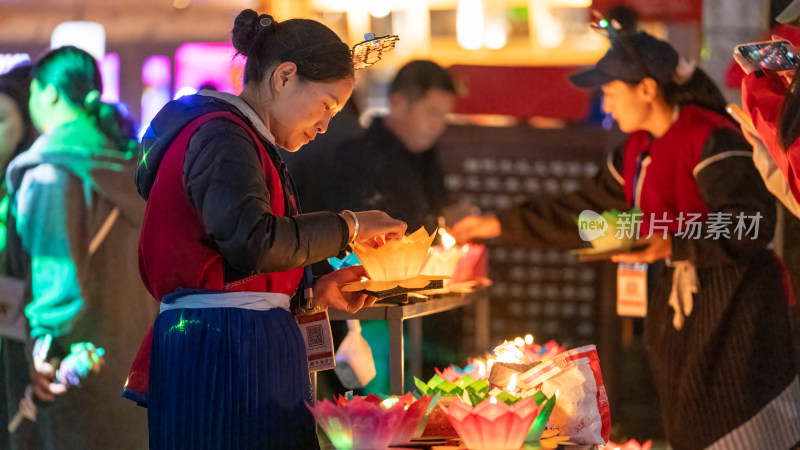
(581, 411)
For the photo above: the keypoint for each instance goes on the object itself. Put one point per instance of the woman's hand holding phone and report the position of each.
(778, 55)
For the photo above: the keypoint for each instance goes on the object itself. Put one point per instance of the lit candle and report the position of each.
(528, 339)
(481, 369)
(447, 240)
(512, 385)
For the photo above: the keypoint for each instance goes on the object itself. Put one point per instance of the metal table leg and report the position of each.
(415, 358)
(396, 356)
(482, 339)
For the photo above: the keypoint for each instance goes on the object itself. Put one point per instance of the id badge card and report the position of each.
(316, 329)
(631, 290)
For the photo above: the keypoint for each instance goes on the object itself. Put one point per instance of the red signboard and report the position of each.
(658, 10)
(521, 91)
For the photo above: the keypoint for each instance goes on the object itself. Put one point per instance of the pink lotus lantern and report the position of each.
(359, 423)
(370, 422)
(415, 410)
(481, 367)
(341, 400)
(449, 374)
(492, 424)
(632, 444)
(472, 265)
(442, 259)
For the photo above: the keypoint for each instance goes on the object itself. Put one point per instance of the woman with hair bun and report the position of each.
(78, 217)
(223, 246)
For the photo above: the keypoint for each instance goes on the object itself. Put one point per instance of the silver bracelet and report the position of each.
(355, 225)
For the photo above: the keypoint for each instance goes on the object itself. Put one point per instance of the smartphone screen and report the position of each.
(772, 55)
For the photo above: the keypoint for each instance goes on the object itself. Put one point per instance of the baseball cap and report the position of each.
(631, 58)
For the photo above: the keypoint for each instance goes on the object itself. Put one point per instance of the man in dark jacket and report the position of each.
(394, 167)
(395, 162)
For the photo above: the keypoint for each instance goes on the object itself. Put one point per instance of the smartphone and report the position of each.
(772, 55)
(742, 117)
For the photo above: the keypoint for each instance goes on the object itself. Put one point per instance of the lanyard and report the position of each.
(636, 175)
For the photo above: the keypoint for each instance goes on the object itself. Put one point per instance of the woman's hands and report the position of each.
(328, 290)
(749, 67)
(43, 379)
(373, 224)
(753, 139)
(471, 228)
(659, 248)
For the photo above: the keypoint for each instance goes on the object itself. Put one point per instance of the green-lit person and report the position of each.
(78, 216)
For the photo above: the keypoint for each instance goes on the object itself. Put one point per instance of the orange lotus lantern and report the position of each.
(493, 424)
(398, 262)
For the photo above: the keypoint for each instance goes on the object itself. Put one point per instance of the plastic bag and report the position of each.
(581, 411)
(354, 364)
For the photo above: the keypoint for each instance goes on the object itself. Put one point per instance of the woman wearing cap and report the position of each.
(223, 248)
(717, 330)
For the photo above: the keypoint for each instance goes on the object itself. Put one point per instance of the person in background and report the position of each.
(394, 167)
(78, 218)
(224, 248)
(16, 135)
(716, 330)
(772, 102)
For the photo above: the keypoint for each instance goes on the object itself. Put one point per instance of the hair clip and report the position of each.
(368, 52)
(607, 28)
(612, 30)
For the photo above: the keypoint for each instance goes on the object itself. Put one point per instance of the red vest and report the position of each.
(174, 249)
(667, 177)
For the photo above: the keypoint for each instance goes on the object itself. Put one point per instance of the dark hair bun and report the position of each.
(245, 29)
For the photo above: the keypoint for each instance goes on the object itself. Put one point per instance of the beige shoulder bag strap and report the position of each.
(103, 232)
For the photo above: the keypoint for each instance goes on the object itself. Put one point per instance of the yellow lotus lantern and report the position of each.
(396, 264)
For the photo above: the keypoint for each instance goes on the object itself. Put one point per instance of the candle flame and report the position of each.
(512, 384)
(528, 339)
(447, 240)
(519, 342)
(493, 400)
(556, 394)
(481, 369)
(489, 364)
(389, 402)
